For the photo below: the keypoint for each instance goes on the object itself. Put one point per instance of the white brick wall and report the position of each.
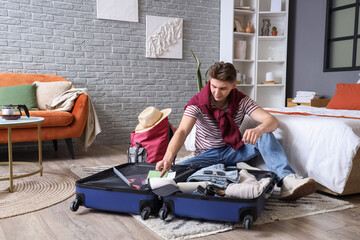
(64, 37)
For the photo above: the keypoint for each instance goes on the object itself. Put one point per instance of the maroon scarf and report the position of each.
(229, 130)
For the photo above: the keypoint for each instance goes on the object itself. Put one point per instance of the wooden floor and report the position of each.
(59, 222)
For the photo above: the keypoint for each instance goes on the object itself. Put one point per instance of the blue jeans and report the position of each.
(216, 174)
(267, 145)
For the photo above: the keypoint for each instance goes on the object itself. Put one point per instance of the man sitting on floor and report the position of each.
(218, 111)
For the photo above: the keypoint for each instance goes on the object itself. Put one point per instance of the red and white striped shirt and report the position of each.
(208, 134)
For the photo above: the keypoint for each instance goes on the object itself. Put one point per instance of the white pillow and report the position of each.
(46, 92)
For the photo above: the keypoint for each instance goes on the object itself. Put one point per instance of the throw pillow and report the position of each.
(19, 95)
(46, 92)
(347, 96)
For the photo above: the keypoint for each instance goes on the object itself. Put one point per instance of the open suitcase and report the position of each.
(107, 191)
(217, 208)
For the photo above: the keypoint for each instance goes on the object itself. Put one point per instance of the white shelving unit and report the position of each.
(263, 53)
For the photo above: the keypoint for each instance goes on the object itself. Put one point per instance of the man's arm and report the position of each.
(268, 124)
(175, 144)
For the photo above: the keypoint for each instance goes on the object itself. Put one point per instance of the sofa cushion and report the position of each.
(46, 92)
(21, 94)
(53, 118)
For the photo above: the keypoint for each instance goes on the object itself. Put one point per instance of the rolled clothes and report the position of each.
(248, 187)
(190, 187)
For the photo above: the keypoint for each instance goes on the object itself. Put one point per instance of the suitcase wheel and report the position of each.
(74, 206)
(248, 219)
(163, 212)
(145, 213)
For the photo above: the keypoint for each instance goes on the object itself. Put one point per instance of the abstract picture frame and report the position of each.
(164, 37)
(238, 25)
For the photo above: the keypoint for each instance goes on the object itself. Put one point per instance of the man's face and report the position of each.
(220, 89)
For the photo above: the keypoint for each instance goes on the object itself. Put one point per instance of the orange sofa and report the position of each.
(56, 124)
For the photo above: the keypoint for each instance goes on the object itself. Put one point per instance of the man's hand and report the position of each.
(175, 144)
(163, 166)
(252, 135)
(268, 124)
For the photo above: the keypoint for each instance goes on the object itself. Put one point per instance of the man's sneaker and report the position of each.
(295, 187)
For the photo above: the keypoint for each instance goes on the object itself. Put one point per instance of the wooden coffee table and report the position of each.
(9, 124)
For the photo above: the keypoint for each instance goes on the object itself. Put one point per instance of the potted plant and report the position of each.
(274, 31)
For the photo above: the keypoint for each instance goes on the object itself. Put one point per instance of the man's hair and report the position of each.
(223, 72)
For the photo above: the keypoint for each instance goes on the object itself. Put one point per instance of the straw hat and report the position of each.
(150, 117)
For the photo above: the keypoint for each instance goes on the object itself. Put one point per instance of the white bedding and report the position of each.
(319, 147)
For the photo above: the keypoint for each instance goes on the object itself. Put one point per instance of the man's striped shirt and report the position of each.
(207, 128)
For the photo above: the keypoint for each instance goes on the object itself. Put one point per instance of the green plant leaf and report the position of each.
(197, 60)
(199, 78)
(206, 74)
(198, 74)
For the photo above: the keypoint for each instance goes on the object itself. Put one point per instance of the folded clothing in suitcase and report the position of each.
(210, 206)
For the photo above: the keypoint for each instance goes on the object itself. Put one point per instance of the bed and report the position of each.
(319, 143)
(322, 144)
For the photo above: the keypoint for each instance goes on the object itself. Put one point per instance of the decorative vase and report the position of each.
(248, 28)
(240, 49)
(266, 27)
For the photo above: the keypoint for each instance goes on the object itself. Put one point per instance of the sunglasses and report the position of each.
(210, 172)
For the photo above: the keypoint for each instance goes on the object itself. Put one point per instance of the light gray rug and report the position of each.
(275, 210)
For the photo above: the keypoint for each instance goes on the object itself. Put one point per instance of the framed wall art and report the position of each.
(121, 10)
(164, 37)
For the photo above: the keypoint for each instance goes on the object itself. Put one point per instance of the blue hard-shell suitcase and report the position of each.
(107, 191)
(219, 208)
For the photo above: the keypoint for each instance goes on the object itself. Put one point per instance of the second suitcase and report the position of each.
(219, 208)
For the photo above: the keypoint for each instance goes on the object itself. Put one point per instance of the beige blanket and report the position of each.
(65, 102)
